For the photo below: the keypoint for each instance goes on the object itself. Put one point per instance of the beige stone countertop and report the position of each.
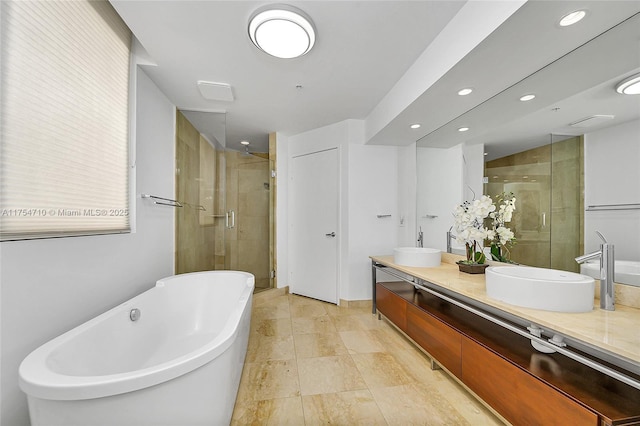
(617, 332)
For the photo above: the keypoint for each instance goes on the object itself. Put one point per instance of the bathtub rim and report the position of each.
(621, 274)
(37, 380)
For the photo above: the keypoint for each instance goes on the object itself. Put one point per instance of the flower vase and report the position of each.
(472, 268)
(496, 252)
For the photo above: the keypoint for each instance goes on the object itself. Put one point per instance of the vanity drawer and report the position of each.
(517, 395)
(442, 342)
(392, 306)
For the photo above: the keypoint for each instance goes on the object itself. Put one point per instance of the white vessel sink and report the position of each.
(417, 256)
(626, 271)
(540, 288)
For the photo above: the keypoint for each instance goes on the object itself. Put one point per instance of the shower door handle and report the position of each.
(231, 223)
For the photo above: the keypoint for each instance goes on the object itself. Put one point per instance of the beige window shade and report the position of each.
(64, 147)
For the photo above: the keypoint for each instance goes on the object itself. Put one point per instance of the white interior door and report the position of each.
(314, 225)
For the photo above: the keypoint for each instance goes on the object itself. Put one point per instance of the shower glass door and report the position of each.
(248, 190)
(548, 184)
(567, 201)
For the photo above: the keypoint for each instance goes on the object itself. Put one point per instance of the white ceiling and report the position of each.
(362, 49)
(574, 85)
(365, 53)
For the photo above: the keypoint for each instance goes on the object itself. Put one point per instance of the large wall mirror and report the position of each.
(571, 155)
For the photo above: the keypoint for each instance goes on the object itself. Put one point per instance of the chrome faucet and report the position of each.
(607, 273)
(420, 238)
(450, 236)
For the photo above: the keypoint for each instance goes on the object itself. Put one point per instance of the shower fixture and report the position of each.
(246, 147)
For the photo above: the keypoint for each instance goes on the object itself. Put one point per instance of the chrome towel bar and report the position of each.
(162, 201)
(599, 207)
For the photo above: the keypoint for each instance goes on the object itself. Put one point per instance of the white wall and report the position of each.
(473, 172)
(49, 286)
(440, 177)
(612, 176)
(373, 191)
(407, 192)
(446, 178)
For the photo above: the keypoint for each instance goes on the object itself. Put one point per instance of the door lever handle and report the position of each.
(333, 234)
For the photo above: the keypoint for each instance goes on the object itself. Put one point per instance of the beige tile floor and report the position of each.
(313, 363)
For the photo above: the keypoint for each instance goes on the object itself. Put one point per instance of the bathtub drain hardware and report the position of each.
(134, 314)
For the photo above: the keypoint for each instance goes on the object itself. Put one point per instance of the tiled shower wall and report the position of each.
(196, 228)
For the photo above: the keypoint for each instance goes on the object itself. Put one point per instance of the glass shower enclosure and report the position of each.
(548, 182)
(224, 221)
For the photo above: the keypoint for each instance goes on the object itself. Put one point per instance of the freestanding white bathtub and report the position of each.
(179, 363)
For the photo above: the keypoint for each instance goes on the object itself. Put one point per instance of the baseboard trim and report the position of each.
(271, 293)
(355, 303)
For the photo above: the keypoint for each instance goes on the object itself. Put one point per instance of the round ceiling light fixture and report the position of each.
(282, 31)
(465, 91)
(528, 97)
(415, 126)
(463, 129)
(630, 86)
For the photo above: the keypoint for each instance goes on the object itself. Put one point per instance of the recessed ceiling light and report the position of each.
(486, 153)
(415, 126)
(465, 91)
(282, 31)
(572, 18)
(245, 143)
(528, 97)
(463, 129)
(630, 86)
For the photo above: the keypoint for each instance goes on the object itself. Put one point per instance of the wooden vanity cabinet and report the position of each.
(526, 387)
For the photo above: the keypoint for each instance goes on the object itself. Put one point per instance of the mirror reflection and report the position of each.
(548, 184)
(572, 163)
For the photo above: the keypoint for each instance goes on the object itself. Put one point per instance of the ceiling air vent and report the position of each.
(215, 91)
(592, 121)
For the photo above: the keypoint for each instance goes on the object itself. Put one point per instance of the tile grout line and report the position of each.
(369, 389)
(295, 357)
